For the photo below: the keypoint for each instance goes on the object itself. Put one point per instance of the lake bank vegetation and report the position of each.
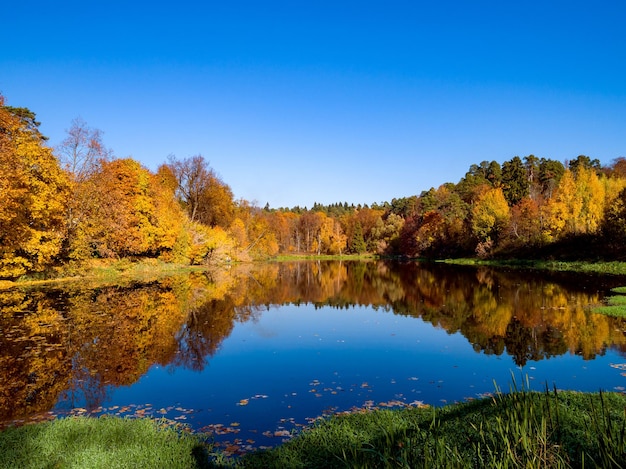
(520, 429)
(68, 206)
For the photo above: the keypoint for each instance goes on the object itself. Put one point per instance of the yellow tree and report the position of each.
(33, 195)
(284, 225)
(591, 192)
(579, 203)
(561, 208)
(330, 238)
(205, 244)
(169, 217)
(252, 232)
(490, 214)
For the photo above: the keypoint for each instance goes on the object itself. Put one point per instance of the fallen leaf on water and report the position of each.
(231, 448)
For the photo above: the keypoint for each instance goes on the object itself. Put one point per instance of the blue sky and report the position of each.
(298, 102)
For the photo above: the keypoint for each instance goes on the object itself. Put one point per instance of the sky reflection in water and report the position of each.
(250, 355)
(298, 362)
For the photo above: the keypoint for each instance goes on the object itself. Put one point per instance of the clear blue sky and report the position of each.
(296, 102)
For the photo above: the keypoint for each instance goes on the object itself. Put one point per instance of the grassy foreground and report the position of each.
(521, 429)
(105, 442)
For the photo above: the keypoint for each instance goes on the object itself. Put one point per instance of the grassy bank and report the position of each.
(615, 304)
(521, 429)
(600, 267)
(105, 442)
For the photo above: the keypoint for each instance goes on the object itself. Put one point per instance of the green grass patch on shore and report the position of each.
(105, 442)
(615, 305)
(521, 429)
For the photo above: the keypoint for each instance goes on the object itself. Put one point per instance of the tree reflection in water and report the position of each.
(58, 343)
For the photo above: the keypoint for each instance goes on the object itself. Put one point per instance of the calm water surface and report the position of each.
(252, 353)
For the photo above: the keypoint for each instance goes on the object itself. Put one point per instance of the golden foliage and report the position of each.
(126, 211)
(490, 214)
(33, 191)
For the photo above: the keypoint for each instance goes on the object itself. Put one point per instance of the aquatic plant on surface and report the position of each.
(615, 305)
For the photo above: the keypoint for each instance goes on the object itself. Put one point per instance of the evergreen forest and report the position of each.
(77, 203)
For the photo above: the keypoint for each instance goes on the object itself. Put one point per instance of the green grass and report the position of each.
(105, 442)
(615, 305)
(522, 429)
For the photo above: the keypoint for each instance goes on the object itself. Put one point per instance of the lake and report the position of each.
(253, 353)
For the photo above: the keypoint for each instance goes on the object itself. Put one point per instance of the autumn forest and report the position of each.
(76, 202)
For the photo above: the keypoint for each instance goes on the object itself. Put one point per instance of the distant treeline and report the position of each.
(77, 202)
